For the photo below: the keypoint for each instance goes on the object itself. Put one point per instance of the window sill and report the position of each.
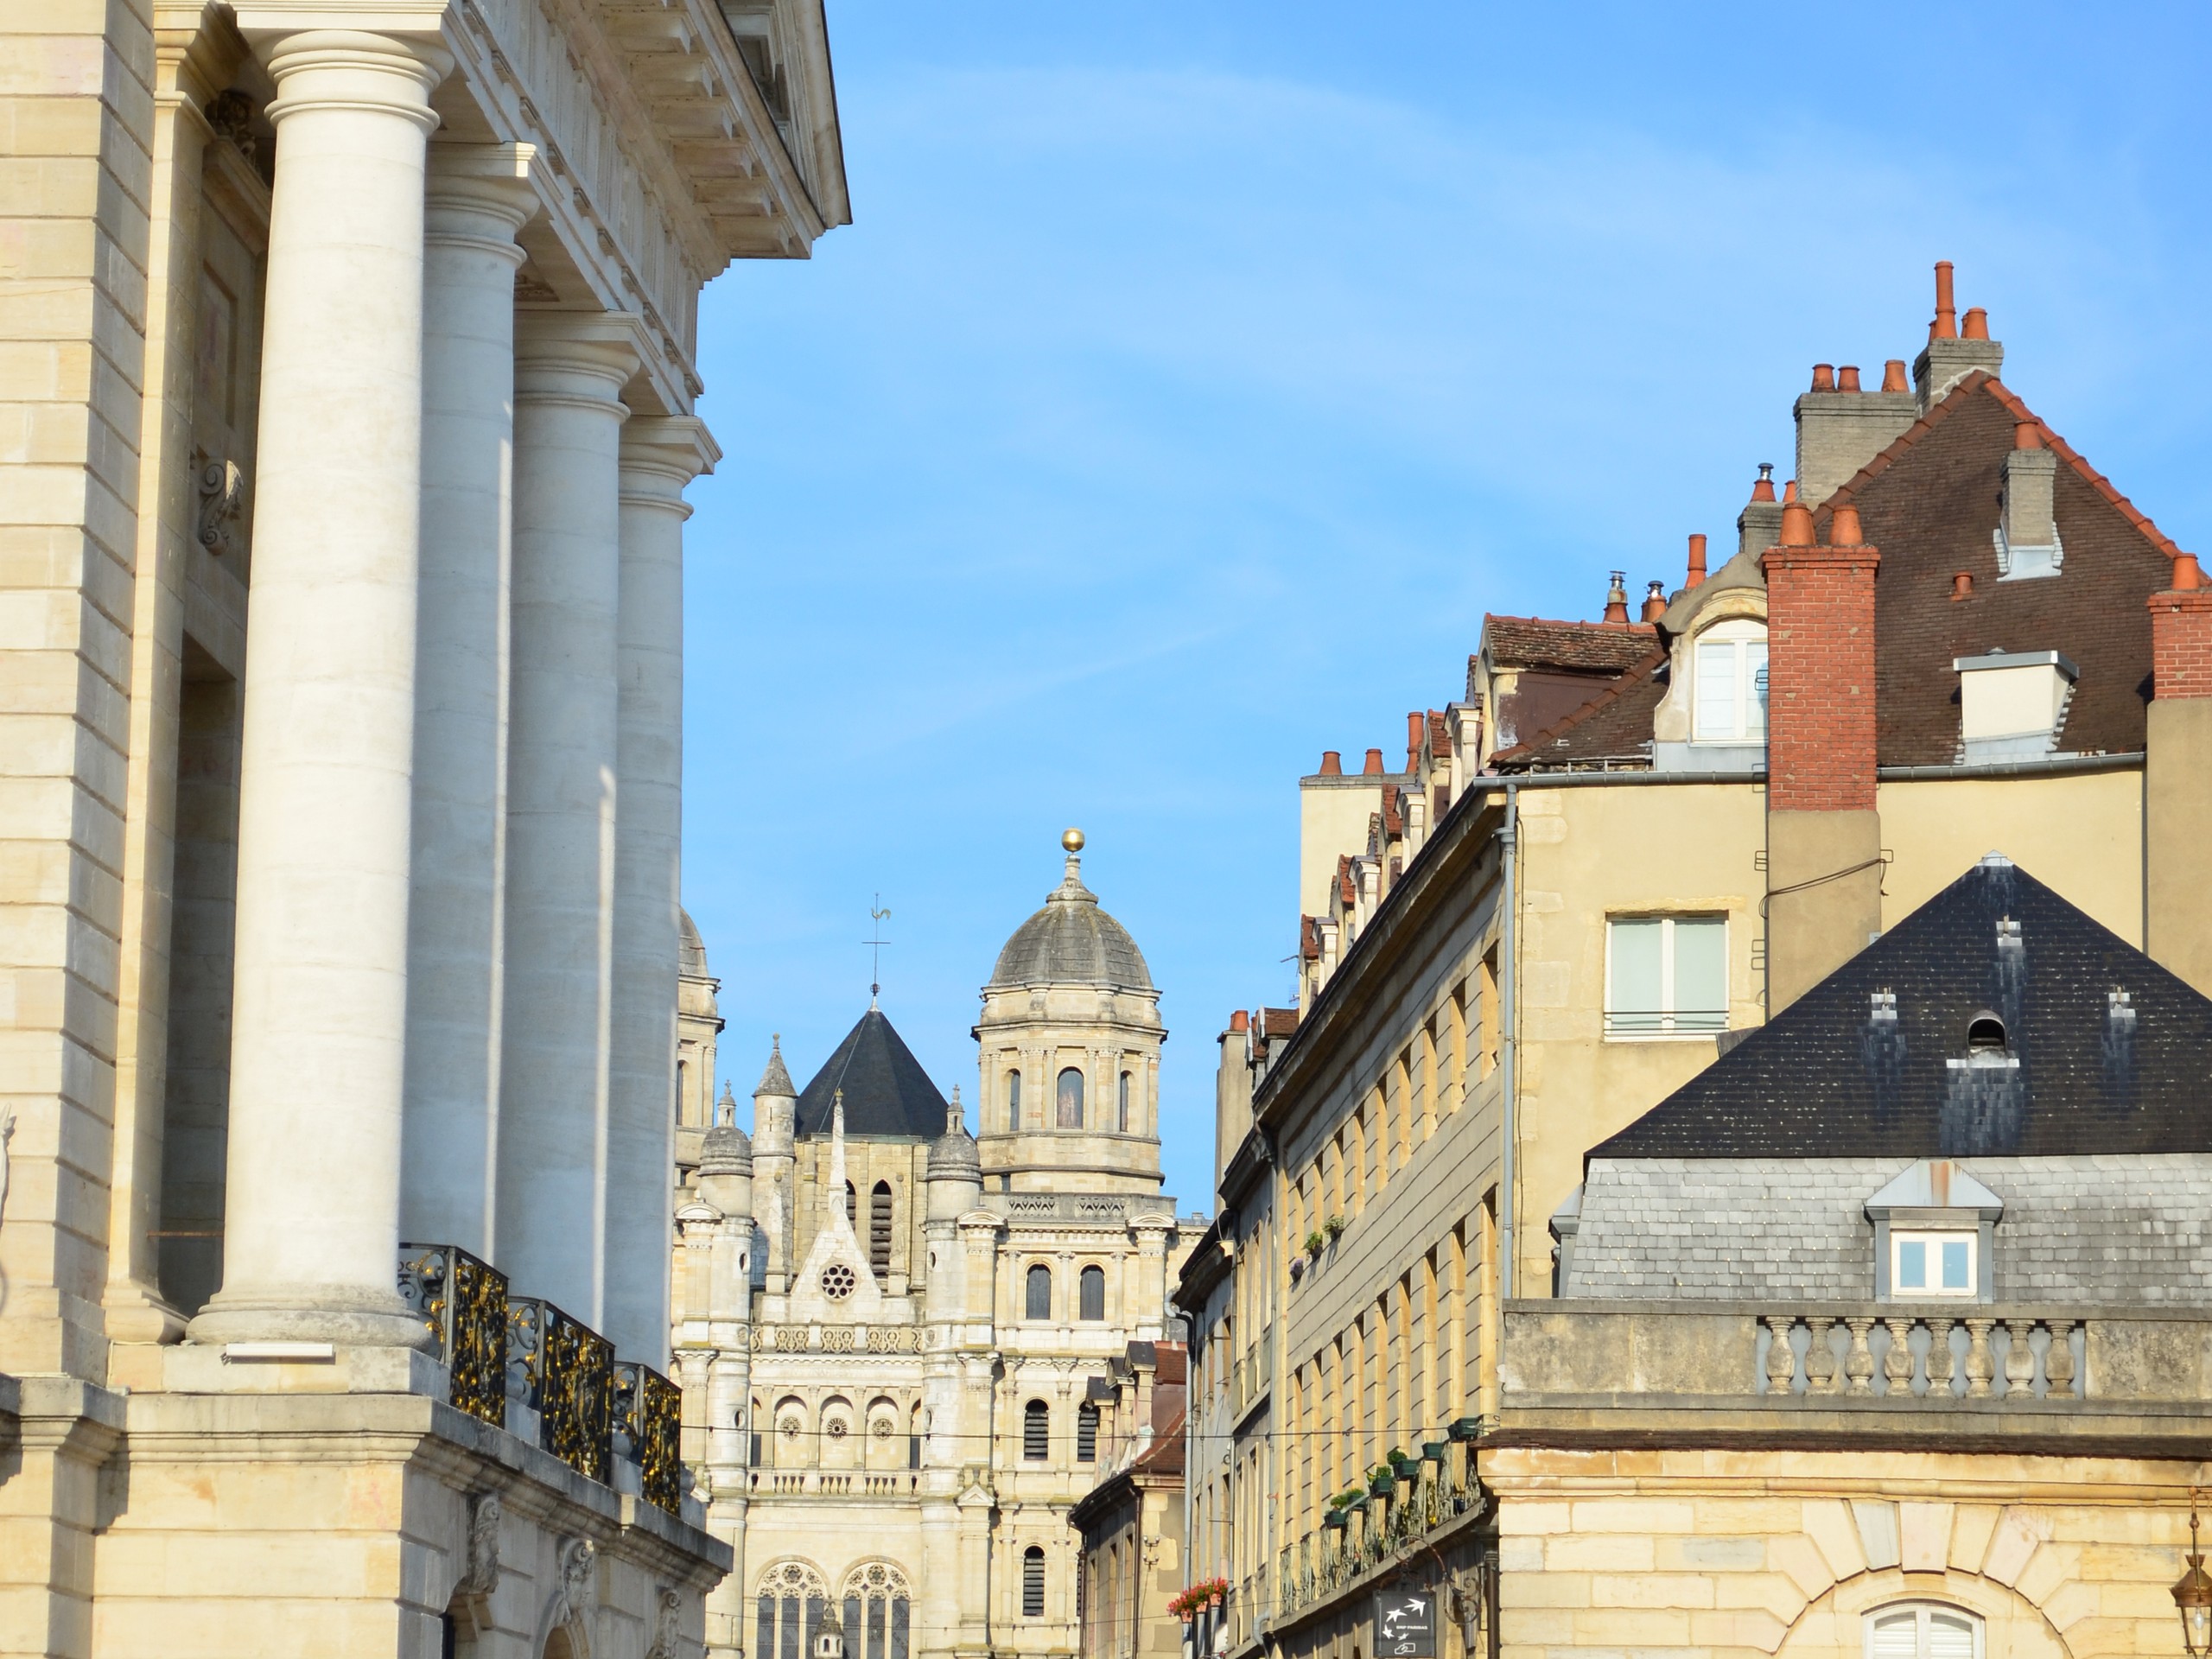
(1665, 1036)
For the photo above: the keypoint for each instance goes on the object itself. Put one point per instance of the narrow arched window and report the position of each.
(1070, 1102)
(1013, 1101)
(1090, 1297)
(1032, 1582)
(1086, 1433)
(852, 1206)
(879, 1229)
(1039, 1304)
(1124, 1115)
(1036, 1432)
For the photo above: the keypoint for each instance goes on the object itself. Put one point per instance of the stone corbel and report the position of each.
(222, 492)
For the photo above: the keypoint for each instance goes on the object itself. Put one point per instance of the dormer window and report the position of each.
(1984, 1035)
(1932, 1264)
(1934, 1226)
(1728, 683)
(2012, 704)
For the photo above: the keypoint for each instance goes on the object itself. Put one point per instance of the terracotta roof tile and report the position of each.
(1615, 725)
(1540, 642)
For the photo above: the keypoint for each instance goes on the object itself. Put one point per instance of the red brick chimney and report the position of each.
(2178, 776)
(1823, 833)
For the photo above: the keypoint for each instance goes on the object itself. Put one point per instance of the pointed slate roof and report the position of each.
(887, 1091)
(774, 1079)
(2103, 1050)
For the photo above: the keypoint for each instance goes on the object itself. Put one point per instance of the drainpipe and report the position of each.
(1509, 980)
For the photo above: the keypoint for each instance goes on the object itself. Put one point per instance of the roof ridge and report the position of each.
(1629, 677)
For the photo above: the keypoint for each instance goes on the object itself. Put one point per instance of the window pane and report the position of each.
(851, 1620)
(1716, 689)
(1635, 1002)
(1701, 973)
(899, 1628)
(1070, 1107)
(1913, 1266)
(1039, 1302)
(1013, 1100)
(1949, 1637)
(787, 1637)
(1954, 1264)
(1755, 705)
(1897, 1636)
(1093, 1293)
(765, 1644)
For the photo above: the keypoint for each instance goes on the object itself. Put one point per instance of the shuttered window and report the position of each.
(1091, 1294)
(1039, 1293)
(1036, 1432)
(1086, 1433)
(1922, 1632)
(879, 1229)
(1032, 1582)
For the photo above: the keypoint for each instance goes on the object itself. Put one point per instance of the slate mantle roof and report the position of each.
(1827, 1078)
(887, 1095)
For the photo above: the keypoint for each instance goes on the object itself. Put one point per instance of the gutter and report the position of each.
(1509, 839)
(2043, 765)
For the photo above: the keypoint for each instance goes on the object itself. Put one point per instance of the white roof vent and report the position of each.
(2012, 704)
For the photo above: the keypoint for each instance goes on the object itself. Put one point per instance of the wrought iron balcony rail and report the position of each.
(563, 1370)
(647, 1431)
(463, 1304)
(1429, 1490)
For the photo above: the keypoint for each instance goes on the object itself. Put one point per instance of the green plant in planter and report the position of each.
(1334, 1227)
(1399, 1459)
(1315, 1243)
(1381, 1481)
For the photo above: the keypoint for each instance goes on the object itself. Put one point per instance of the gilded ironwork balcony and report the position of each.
(647, 1428)
(463, 1304)
(563, 1370)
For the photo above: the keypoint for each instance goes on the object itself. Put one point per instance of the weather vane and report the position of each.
(879, 915)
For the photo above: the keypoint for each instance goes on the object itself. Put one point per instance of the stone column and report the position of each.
(478, 197)
(658, 458)
(570, 371)
(319, 1014)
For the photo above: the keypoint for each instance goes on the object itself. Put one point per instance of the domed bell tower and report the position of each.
(1068, 1097)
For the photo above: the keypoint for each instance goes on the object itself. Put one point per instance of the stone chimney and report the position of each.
(1760, 523)
(2027, 535)
(1232, 1092)
(1824, 838)
(1841, 428)
(2178, 776)
(1951, 353)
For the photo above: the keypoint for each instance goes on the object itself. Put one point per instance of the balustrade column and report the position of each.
(319, 1015)
(478, 197)
(569, 372)
(658, 458)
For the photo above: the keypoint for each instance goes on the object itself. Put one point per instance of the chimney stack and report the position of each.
(2178, 776)
(1760, 521)
(1414, 721)
(1374, 766)
(1696, 577)
(1617, 598)
(1840, 428)
(1655, 601)
(1823, 833)
(2027, 536)
(1950, 354)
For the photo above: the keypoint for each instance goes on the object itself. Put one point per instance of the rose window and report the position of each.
(837, 1281)
(836, 1426)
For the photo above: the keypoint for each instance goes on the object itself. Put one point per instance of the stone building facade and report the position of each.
(351, 352)
(890, 1330)
(1971, 641)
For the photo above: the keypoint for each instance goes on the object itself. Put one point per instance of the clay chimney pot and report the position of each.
(1976, 325)
(1697, 560)
(1764, 490)
(1847, 378)
(1962, 586)
(1797, 524)
(2026, 434)
(1617, 598)
(1823, 376)
(2188, 576)
(1946, 326)
(1414, 721)
(1655, 601)
(1893, 375)
(1240, 1020)
(1374, 766)
(1789, 490)
(1843, 528)
(1332, 763)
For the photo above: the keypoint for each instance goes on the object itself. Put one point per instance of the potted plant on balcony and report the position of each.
(1334, 1227)
(1315, 1243)
(1216, 1592)
(1382, 1480)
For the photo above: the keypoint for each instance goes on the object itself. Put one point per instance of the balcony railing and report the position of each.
(648, 1432)
(562, 1369)
(1974, 1354)
(1432, 1489)
(463, 1303)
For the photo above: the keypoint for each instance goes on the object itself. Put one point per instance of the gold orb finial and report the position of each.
(1072, 839)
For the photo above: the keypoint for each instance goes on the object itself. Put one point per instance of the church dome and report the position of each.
(726, 1150)
(953, 1156)
(1071, 942)
(691, 949)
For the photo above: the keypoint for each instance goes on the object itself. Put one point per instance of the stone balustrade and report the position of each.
(838, 1339)
(833, 1483)
(1976, 1353)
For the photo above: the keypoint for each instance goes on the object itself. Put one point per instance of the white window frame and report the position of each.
(1925, 1610)
(1934, 1238)
(1667, 1030)
(1737, 632)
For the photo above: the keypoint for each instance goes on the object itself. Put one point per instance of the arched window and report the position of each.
(789, 1606)
(852, 1206)
(1039, 1292)
(1728, 676)
(1070, 1105)
(1032, 1582)
(876, 1610)
(1013, 1101)
(879, 1229)
(1036, 1432)
(1922, 1631)
(1090, 1299)
(1123, 1118)
(1086, 1433)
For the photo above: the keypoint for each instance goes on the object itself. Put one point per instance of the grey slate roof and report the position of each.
(2106, 1052)
(1071, 942)
(887, 1095)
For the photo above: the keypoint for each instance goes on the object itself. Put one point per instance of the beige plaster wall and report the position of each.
(1332, 815)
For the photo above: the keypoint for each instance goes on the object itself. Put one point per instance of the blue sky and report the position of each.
(1193, 377)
